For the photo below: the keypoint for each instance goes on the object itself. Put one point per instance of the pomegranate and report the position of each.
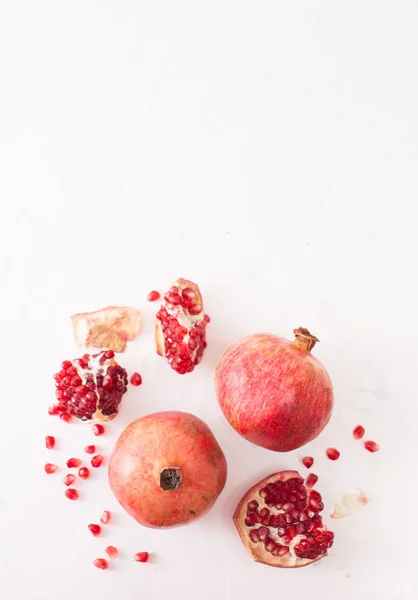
(279, 523)
(110, 327)
(91, 387)
(180, 327)
(167, 469)
(274, 392)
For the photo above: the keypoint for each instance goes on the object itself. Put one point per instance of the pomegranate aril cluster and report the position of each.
(291, 510)
(90, 384)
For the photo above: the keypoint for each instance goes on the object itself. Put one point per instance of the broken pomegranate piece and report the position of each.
(348, 503)
(91, 387)
(109, 327)
(180, 328)
(279, 523)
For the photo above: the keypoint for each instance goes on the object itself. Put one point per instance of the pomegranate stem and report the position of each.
(304, 340)
(170, 479)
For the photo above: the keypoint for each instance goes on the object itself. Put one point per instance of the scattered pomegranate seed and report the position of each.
(72, 494)
(66, 417)
(112, 552)
(105, 517)
(311, 480)
(100, 563)
(49, 442)
(109, 354)
(358, 432)
(84, 473)
(98, 429)
(49, 468)
(68, 479)
(97, 460)
(52, 409)
(73, 462)
(95, 529)
(371, 446)
(332, 453)
(141, 556)
(90, 449)
(136, 379)
(154, 295)
(308, 461)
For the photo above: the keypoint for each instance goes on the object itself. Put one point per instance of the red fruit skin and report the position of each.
(159, 441)
(273, 393)
(258, 552)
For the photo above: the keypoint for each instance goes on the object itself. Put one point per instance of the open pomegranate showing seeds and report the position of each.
(180, 327)
(274, 392)
(91, 387)
(167, 469)
(279, 523)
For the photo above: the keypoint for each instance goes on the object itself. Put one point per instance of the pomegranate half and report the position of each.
(167, 469)
(279, 523)
(274, 392)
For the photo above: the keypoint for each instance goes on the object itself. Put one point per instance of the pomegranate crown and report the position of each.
(304, 339)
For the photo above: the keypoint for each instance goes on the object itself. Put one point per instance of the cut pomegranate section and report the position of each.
(109, 327)
(358, 432)
(101, 563)
(105, 517)
(112, 552)
(332, 453)
(180, 328)
(141, 557)
(279, 523)
(308, 461)
(136, 379)
(91, 387)
(371, 446)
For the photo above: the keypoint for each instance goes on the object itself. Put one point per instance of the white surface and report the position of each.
(267, 150)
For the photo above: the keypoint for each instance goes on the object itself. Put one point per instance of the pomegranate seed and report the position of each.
(109, 354)
(332, 453)
(112, 552)
(73, 462)
(97, 460)
(152, 296)
(98, 429)
(311, 480)
(49, 468)
(308, 461)
(84, 473)
(68, 479)
(49, 442)
(95, 529)
(371, 446)
(72, 494)
(136, 379)
(52, 409)
(66, 417)
(358, 432)
(105, 517)
(195, 309)
(141, 556)
(66, 364)
(100, 563)
(90, 449)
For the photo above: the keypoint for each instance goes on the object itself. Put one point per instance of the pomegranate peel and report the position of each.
(279, 523)
(180, 326)
(345, 507)
(111, 327)
(274, 392)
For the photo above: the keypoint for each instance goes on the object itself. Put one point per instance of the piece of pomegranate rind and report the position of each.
(180, 327)
(279, 523)
(111, 327)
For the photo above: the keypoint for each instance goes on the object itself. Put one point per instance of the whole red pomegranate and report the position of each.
(274, 392)
(167, 469)
(279, 523)
(91, 387)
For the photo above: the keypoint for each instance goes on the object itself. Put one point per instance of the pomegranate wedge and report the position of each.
(180, 328)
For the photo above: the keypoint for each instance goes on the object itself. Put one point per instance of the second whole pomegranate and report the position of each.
(167, 469)
(274, 392)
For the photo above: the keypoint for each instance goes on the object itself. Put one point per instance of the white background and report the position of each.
(267, 150)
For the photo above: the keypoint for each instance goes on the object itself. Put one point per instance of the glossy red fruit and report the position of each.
(50, 442)
(358, 432)
(72, 494)
(141, 557)
(112, 552)
(90, 387)
(167, 469)
(90, 449)
(180, 327)
(278, 510)
(136, 379)
(50, 468)
(105, 517)
(274, 392)
(97, 460)
(308, 461)
(101, 563)
(98, 429)
(152, 296)
(333, 453)
(371, 446)
(73, 462)
(95, 529)
(84, 473)
(68, 479)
